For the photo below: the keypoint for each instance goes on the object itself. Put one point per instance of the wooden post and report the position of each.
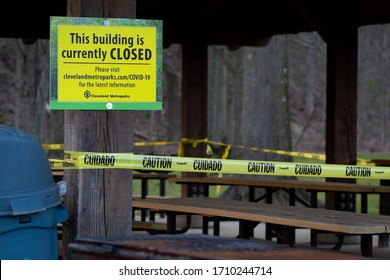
(341, 37)
(99, 200)
(384, 203)
(341, 110)
(194, 100)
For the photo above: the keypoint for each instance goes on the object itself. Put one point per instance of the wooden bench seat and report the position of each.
(149, 226)
(288, 217)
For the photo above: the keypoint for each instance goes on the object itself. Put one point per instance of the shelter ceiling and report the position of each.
(227, 22)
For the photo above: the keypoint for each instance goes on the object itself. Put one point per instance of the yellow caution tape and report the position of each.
(296, 154)
(226, 152)
(209, 151)
(86, 160)
(49, 147)
(156, 143)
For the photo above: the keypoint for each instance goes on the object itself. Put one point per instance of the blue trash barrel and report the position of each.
(30, 202)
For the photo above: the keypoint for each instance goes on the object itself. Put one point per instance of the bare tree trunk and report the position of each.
(164, 125)
(258, 77)
(373, 93)
(307, 92)
(225, 98)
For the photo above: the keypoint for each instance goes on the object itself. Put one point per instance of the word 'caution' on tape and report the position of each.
(86, 160)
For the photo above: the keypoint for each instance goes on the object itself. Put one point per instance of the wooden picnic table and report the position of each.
(57, 175)
(145, 177)
(286, 218)
(289, 186)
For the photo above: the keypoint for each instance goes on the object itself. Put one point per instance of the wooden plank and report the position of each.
(152, 176)
(145, 177)
(382, 190)
(313, 218)
(196, 246)
(278, 183)
(149, 225)
(59, 173)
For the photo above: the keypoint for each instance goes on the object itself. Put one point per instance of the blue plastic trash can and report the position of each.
(30, 202)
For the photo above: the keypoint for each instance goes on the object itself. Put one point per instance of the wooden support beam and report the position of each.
(194, 99)
(98, 200)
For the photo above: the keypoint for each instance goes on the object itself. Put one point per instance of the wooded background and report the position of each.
(282, 85)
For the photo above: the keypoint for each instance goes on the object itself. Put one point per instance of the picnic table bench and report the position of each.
(288, 218)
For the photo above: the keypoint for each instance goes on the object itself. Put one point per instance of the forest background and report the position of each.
(271, 97)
